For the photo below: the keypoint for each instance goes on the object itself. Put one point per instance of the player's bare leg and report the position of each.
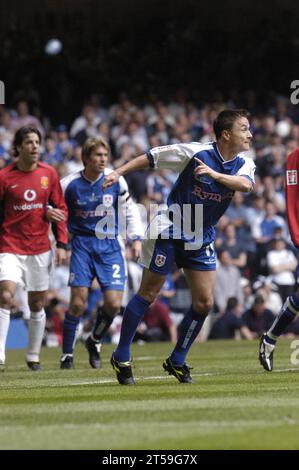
(151, 284)
(37, 323)
(201, 285)
(7, 292)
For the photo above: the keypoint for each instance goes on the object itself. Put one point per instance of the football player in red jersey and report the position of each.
(290, 308)
(30, 198)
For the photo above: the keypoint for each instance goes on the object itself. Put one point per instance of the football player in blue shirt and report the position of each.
(209, 174)
(97, 246)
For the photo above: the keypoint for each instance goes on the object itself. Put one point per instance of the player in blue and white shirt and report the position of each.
(209, 174)
(97, 246)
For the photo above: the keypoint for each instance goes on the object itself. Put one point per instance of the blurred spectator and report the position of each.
(135, 137)
(23, 118)
(234, 247)
(64, 144)
(263, 228)
(158, 187)
(271, 195)
(228, 279)
(256, 210)
(258, 318)
(85, 124)
(75, 163)
(236, 212)
(58, 286)
(88, 129)
(52, 154)
(54, 323)
(269, 290)
(134, 274)
(282, 263)
(230, 323)
(167, 290)
(179, 302)
(157, 324)
(248, 296)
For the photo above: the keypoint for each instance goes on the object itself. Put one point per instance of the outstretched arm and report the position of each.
(234, 182)
(139, 163)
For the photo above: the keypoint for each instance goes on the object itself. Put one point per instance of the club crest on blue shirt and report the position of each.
(107, 200)
(160, 260)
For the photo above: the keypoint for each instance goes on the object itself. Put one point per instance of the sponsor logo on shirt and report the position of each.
(164, 148)
(291, 177)
(197, 191)
(28, 207)
(99, 212)
(29, 195)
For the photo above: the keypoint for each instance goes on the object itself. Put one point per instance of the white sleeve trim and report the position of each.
(177, 156)
(247, 169)
(64, 182)
(130, 211)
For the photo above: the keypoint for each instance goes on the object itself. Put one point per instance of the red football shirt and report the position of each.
(24, 196)
(292, 194)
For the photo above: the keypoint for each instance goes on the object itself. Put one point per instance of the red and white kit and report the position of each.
(292, 194)
(25, 248)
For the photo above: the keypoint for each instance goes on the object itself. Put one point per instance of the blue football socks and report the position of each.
(288, 312)
(70, 325)
(133, 314)
(102, 324)
(190, 327)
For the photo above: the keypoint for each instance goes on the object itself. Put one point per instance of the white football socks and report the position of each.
(4, 325)
(37, 325)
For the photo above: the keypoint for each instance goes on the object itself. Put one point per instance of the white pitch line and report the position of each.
(154, 377)
(136, 359)
(104, 381)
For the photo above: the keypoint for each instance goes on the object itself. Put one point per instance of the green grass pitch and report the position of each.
(233, 404)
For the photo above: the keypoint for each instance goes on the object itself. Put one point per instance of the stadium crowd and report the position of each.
(256, 259)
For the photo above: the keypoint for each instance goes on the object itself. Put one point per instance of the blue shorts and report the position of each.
(93, 258)
(159, 255)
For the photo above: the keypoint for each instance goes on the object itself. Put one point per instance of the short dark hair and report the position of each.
(20, 136)
(226, 119)
(232, 303)
(259, 299)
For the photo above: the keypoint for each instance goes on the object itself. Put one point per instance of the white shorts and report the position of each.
(32, 271)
